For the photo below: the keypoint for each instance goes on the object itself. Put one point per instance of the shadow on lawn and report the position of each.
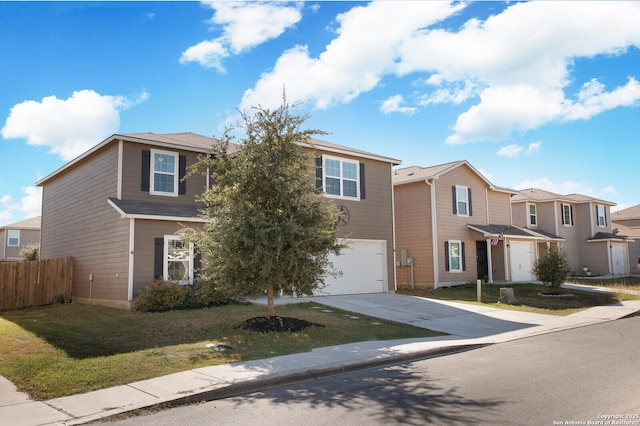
(88, 331)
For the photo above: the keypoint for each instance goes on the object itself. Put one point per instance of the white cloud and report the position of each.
(68, 126)
(365, 49)
(29, 205)
(533, 147)
(392, 104)
(245, 25)
(514, 67)
(510, 150)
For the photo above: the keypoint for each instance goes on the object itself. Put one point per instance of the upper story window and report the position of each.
(566, 212)
(13, 237)
(340, 178)
(164, 173)
(601, 214)
(462, 201)
(533, 215)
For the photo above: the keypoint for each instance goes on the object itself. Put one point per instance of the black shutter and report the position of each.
(319, 172)
(453, 196)
(470, 204)
(604, 208)
(446, 254)
(571, 213)
(182, 172)
(562, 213)
(158, 259)
(464, 262)
(146, 170)
(362, 185)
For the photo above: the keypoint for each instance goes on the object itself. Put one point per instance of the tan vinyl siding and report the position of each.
(454, 227)
(27, 237)
(520, 214)
(77, 221)
(499, 207)
(371, 218)
(414, 233)
(146, 231)
(132, 175)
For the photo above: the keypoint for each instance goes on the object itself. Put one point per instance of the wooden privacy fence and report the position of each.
(40, 282)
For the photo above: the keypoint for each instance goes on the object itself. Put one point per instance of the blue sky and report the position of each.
(532, 94)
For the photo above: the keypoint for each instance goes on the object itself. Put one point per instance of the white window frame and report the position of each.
(603, 216)
(462, 190)
(340, 178)
(566, 215)
(166, 261)
(533, 215)
(15, 236)
(451, 255)
(153, 172)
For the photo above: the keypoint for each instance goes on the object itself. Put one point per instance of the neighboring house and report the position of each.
(584, 225)
(453, 226)
(17, 236)
(117, 209)
(627, 222)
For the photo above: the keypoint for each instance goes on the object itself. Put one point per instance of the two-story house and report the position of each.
(453, 226)
(582, 224)
(117, 209)
(16, 236)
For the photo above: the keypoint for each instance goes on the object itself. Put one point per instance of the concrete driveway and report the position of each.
(458, 319)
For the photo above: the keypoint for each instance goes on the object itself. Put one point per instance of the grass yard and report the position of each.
(527, 295)
(58, 350)
(625, 283)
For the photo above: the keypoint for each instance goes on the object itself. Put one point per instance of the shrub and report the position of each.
(161, 296)
(553, 268)
(30, 252)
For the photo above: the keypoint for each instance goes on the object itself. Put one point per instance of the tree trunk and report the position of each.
(271, 306)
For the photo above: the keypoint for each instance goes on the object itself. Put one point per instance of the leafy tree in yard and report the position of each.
(553, 268)
(268, 229)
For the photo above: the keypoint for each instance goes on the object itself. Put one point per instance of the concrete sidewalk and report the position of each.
(469, 326)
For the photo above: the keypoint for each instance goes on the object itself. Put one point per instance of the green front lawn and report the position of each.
(58, 350)
(527, 295)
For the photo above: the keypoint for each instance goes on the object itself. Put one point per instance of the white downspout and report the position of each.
(434, 228)
(489, 261)
(393, 230)
(132, 240)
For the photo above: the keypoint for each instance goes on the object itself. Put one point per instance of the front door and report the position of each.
(482, 264)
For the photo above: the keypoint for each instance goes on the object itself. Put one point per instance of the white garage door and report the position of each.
(521, 261)
(360, 268)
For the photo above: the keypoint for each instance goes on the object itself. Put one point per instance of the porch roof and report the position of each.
(507, 231)
(156, 211)
(607, 236)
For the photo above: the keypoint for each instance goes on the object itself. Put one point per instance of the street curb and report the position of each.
(281, 379)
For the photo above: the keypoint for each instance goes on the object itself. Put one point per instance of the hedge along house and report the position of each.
(117, 209)
(453, 226)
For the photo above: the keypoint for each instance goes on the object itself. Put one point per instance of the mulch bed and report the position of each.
(276, 324)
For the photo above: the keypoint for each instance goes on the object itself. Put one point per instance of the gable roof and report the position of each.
(31, 223)
(417, 174)
(510, 231)
(345, 150)
(187, 140)
(540, 195)
(626, 214)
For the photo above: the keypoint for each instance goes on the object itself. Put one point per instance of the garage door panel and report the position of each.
(521, 261)
(360, 268)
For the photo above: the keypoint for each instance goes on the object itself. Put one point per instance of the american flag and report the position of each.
(497, 239)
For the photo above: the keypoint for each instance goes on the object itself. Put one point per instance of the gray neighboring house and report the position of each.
(627, 222)
(117, 210)
(16, 236)
(580, 224)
